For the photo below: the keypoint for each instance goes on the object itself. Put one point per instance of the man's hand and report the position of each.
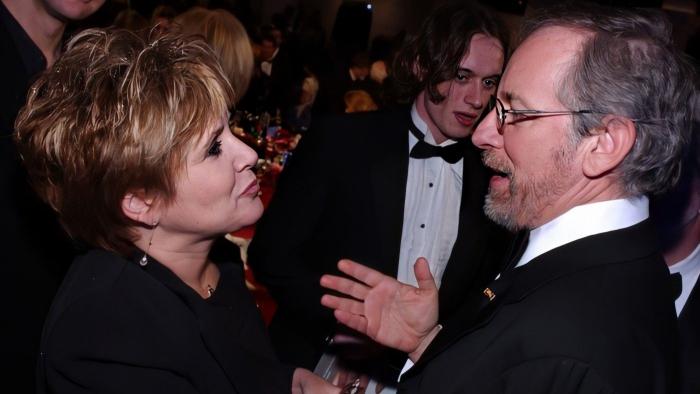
(305, 382)
(390, 312)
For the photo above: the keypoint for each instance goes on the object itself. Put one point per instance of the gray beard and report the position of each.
(522, 206)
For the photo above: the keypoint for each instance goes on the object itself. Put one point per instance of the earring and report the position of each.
(144, 260)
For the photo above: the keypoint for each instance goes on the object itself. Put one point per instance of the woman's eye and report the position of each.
(461, 77)
(215, 149)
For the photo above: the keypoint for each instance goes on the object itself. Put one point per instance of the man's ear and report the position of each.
(607, 148)
(136, 206)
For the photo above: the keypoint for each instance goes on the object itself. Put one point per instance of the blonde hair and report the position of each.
(228, 38)
(117, 114)
(359, 101)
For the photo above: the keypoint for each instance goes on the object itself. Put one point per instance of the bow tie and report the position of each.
(676, 285)
(423, 150)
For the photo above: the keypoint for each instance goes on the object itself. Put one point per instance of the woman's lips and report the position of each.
(252, 189)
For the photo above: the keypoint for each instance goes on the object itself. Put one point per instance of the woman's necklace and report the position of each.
(214, 276)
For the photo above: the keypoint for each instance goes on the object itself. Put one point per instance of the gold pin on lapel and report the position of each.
(489, 293)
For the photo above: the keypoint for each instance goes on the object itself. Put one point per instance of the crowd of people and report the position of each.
(463, 213)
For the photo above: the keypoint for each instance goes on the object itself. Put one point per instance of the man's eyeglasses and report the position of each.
(502, 112)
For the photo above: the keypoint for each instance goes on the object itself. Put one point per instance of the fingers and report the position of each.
(364, 380)
(361, 273)
(340, 378)
(356, 322)
(343, 304)
(424, 277)
(346, 286)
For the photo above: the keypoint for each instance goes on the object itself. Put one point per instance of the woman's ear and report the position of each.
(136, 206)
(608, 147)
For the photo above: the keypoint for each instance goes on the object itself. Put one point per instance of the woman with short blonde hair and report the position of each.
(128, 141)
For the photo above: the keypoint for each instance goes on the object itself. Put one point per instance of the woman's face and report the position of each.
(217, 192)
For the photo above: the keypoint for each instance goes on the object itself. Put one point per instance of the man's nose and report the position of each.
(486, 135)
(475, 95)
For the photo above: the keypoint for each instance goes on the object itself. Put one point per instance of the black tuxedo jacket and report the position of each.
(116, 327)
(279, 90)
(689, 325)
(587, 317)
(342, 196)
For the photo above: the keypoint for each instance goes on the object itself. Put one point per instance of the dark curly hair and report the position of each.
(433, 54)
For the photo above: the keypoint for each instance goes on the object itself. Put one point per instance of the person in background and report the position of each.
(132, 20)
(162, 18)
(359, 101)
(146, 310)
(576, 146)
(351, 75)
(387, 187)
(378, 71)
(298, 118)
(35, 250)
(229, 40)
(677, 215)
(278, 75)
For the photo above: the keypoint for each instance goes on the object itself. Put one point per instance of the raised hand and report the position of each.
(306, 382)
(390, 312)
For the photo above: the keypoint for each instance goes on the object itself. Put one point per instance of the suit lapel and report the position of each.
(516, 284)
(689, 320)
(689, 329)
(465, 261)
(389, 172)
(474, 313)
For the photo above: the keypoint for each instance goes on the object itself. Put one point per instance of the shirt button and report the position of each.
(422, 226)
(430, 184)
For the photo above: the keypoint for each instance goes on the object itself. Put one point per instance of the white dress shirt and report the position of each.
(583, 221)
(431, 209)
(689, 268)
(266, 65)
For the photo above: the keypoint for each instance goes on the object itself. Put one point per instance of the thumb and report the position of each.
(423, 275)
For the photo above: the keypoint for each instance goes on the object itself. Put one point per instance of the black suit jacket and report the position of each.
(587, 317)
(342, 196)
(331, 94)
(689, 325)
(116, 327)
(279, 90)
(35, 251)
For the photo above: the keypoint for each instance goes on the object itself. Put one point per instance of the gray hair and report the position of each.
(629, 66)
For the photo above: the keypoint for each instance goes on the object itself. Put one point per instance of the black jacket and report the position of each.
(116, 327)
(587, 317)
(689, 325)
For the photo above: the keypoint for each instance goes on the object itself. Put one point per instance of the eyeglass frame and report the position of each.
(502, 112)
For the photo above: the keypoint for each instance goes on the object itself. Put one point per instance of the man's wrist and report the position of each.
(416, 354)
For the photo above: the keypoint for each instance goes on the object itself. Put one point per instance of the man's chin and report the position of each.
(501, 213)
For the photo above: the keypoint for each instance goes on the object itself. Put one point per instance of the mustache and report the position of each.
(495, 163)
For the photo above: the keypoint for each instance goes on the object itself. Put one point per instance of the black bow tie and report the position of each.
(423, 150)
(676, 285)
